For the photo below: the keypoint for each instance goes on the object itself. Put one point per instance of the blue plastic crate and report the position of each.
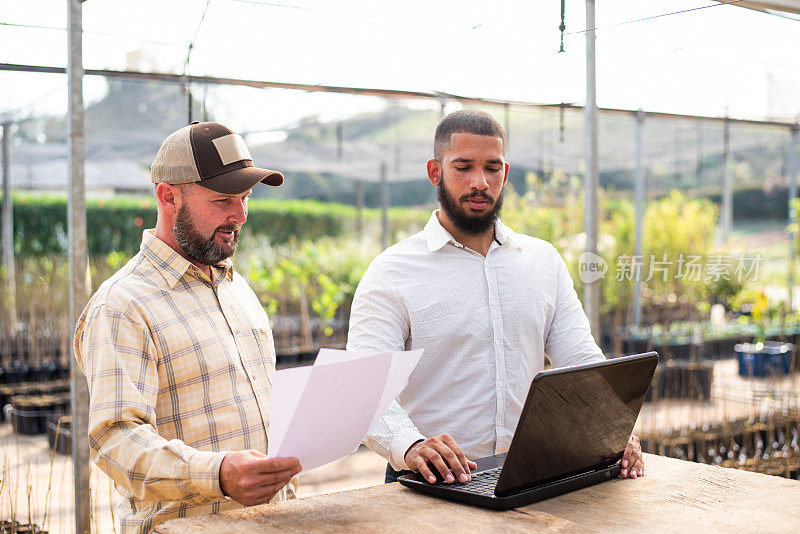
(767, 359)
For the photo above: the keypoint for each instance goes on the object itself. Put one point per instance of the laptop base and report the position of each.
(493, 502)
(550, 454)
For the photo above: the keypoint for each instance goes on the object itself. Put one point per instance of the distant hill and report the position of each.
(323, 160)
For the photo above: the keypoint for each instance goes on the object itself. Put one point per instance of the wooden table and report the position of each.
(674, 496)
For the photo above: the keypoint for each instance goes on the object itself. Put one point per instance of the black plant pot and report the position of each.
(26, 416)
(59, 433)
(47, 371)
(62, 372)
(30, 412)
(677, 379)
(17, 372)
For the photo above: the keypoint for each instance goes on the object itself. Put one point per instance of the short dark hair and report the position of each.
(465, 121)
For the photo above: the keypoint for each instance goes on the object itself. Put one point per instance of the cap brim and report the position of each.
(240, 180)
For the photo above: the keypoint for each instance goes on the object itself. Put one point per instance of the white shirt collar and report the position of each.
(436, 236)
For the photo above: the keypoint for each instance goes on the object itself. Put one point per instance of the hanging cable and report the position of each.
(91, 32)
(562, 26)
(186, 65)
(643, 19)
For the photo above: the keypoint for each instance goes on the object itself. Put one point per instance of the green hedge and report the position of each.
(40, 222)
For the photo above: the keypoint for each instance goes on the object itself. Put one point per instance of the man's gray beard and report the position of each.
(199, 248)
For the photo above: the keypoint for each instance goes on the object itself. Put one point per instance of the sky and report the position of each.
(713, 61)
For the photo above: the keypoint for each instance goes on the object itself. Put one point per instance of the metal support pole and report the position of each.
(360, 209)
(792, 164)
(10, 281)
(205, 103)
(507, 109)
(699, 164)
(727, 185)
(591, 293)
(339, 141)
(78, 262)
(676, 158)
(384, 207)
(188, 100)
(639, 193)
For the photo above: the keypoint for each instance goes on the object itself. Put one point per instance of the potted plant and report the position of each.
(763, 358)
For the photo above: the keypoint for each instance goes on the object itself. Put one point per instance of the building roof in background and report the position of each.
(44, 167)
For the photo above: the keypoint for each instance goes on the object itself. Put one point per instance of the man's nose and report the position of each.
(239, 214)
(479, 180)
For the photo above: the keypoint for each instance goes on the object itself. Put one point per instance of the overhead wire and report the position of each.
(91, 32)
(328, 13)
(440, 28)
(188, 58)
(720, 3)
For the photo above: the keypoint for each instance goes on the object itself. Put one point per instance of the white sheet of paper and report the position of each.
(321, 413)
(403, 362)
(326, 356)
(287, 388)
(335, 410)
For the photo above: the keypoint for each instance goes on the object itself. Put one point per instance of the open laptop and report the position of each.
(572, 433)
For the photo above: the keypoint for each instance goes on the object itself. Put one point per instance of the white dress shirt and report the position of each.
(485, 324)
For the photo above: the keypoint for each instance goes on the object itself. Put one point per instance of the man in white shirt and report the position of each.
(484, 302)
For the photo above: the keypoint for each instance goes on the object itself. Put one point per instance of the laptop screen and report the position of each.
(576, 419)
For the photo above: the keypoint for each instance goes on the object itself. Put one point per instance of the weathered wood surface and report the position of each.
(674, 496)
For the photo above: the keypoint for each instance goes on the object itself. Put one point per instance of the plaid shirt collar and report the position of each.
(173, 266)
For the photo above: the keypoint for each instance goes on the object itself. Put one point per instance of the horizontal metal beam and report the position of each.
(385, 93)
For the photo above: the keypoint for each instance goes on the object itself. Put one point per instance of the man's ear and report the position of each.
(168, 197)
(434, 172)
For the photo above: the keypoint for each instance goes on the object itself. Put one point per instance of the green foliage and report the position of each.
(323, 274)
(674, 225)
(115, 225)
(40, 224)
(676, 230)
(677, 225)
(549, 209)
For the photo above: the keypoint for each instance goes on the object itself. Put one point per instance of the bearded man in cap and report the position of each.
(178, 352)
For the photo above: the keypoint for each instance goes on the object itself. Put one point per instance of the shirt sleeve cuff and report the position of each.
(400, 443)
(204, 473)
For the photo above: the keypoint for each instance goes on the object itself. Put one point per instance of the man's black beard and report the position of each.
(468, 224)
(199, 248)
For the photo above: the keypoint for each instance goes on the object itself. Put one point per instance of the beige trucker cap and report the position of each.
(211, 155)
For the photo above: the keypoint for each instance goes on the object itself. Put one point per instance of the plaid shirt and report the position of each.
(180, 371)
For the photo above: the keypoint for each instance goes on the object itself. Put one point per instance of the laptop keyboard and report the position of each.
(482, 483)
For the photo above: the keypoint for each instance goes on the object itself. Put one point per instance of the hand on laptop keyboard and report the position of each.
(439, 453)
